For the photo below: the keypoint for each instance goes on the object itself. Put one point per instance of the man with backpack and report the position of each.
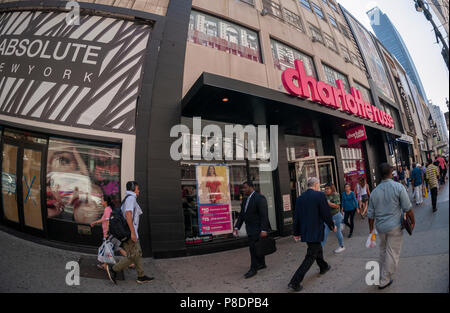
(131, 212)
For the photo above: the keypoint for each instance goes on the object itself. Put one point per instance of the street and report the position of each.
(424, 265)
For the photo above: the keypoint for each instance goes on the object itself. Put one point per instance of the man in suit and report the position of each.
(254, 213)
(311, 212)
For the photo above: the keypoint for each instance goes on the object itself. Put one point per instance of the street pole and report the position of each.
(420, 6)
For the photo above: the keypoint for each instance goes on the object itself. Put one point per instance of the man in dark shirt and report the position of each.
(311, 212)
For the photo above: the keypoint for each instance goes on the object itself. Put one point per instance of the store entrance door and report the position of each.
(324, 168)
(22, 184)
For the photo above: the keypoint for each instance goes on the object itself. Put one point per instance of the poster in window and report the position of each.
(78, 175)
(214, 202)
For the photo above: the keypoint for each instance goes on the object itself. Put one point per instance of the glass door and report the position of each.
(23, 168)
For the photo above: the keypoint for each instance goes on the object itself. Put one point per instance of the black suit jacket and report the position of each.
(310, 216)
(256, 217)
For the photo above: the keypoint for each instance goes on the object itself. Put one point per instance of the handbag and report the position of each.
(265, 246)
(407, 224)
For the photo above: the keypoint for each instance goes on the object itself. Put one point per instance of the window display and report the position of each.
(353, 162)
(284, 57)
(78, 174)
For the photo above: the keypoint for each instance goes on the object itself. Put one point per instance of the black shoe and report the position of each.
(261, 267)
(111, 274)
(390, 283)
(325, 270)
(434, 210)
(350, 235)
(295, 287)
(250, 273)
(144, 279)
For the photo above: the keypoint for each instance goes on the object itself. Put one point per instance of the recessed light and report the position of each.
(225, 100)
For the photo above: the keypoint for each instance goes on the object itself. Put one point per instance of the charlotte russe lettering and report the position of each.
(356, 135)
(52, 59)
(308, 88)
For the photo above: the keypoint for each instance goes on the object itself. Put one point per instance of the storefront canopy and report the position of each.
(229, 100)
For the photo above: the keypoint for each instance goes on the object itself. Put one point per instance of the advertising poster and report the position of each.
(373, 60)
(214, 202)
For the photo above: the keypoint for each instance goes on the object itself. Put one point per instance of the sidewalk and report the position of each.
(424, 265)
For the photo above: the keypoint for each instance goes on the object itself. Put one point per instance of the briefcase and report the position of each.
(265, 246)
(406, 224)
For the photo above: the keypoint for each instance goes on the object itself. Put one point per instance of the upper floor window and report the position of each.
(316, 33)
(306, 5)
(318, 11)
(345, 31)
(251, 2)
(222, 35)
(284, 57)
(273, 8)
(330, 42)
(364, 92)
(333, 6)
(345, 53)
(293, 19)
(332, 21)
(333, 75)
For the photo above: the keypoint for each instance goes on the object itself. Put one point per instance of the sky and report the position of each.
(418, 35)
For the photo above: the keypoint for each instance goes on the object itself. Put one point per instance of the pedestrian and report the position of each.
(131, 212)
(363, 194)
(442, 169)
(254, 213)
(104, 220)
(350, 206)
(387, 206)
(432, 180)
(311, 213)
(334, 202)
(395, 176)
(402, 176)
(407, 176)
(417, 180)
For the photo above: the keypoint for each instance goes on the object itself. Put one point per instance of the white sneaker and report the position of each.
(339, 250)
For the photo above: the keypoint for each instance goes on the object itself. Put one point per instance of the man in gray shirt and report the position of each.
(388, 204)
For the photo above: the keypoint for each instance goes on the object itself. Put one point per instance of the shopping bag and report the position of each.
(425, 191)
(371, 240)
(106, 253)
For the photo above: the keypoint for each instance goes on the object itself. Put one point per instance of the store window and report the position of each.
(79, 173)
(353, 163)
(284, 57)
(211, 190)
(222, 35)
(299, 147)
(333, 75)
(293, 19)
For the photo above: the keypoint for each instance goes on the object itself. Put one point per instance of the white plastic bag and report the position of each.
(371, 240)
(106, 253)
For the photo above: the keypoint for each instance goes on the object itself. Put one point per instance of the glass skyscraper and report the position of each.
(391, 39)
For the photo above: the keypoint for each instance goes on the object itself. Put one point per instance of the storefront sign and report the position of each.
(356, 134)
(214, 201)
(406, 139)
(287, 203)
(318, 91)
(404, 98)
(78, 75)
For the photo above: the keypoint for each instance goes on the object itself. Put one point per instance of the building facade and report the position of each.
(440, 9)
(387, 33)
(142, 89)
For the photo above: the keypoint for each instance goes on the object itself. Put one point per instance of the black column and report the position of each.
(163, 214)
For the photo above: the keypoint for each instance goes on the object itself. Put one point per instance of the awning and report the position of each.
(245, 101)
(405, 139)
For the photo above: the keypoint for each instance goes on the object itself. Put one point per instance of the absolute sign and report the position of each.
(330, 96)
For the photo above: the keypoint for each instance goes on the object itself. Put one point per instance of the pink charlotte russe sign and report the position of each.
(356, 134)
